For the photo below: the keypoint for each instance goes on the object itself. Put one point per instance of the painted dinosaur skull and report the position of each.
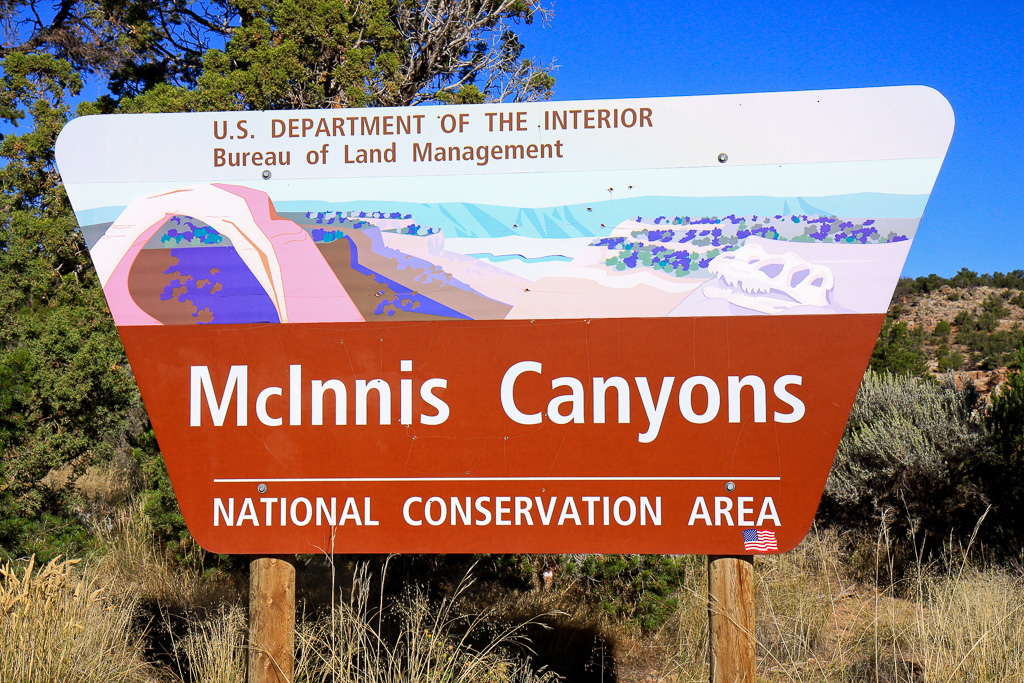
(770, 283)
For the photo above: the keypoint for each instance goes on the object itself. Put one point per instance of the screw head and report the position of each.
(723, 157)
(730, 486)
(262, 488)
(266, 175)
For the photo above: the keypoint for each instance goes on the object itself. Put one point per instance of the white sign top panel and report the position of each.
(657, 133)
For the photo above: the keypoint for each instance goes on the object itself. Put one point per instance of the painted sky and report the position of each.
(971, 52)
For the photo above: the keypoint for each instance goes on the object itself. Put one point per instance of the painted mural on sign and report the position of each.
(222, 253)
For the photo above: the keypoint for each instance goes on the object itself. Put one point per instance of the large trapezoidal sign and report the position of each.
(604, 326)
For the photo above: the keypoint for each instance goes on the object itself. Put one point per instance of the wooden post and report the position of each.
(271, 619)
(731, 618)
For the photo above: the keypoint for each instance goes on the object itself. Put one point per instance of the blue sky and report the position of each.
(973, 53)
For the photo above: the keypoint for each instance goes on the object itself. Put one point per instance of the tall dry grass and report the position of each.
(135, 563)
(215, 649)
(369, 639)
(58, 626)
(823, 613)
(971, 626)
(685, 637)
(958, 622)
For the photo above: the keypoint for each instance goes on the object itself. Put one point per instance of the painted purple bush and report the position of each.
(645, 248)
(219, 285)
(194, 231)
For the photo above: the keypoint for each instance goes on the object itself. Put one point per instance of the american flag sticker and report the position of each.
(759, 540)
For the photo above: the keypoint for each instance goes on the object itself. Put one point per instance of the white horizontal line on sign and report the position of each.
(475, 479)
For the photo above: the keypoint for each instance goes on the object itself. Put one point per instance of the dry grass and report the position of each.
(971, 626)
(814, 622)
(215, 648)
(571, 634)
(58, 626)
(136, 564)
(365, 639)
(685, 637)
(798, 602)
(961, 623)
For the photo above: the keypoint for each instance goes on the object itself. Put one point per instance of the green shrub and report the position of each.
(1012, 280)
(1002, 474)
(990, 350)
(993, 310)
(160, 503)
(899, 350)
(949, 362)
(967, 278)
(989, 346)
(904, 461)
(963, 319)
(639, 588)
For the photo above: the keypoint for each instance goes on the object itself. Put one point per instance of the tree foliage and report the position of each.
(132, 44)
(293, 54)
(964, 278)
(178, 55)
(66, 393)
(1003, 473)
(899, 349)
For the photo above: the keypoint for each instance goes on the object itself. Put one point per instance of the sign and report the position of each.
(600, 326)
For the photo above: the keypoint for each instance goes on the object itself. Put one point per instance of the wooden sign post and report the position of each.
(731, 618)
(272, 619)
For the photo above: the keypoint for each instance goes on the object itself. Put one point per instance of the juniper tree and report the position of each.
(66, 393)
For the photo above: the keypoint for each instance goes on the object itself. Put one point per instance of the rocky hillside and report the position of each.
(952, 325)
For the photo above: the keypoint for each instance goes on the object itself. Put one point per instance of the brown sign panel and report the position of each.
(503, 328)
